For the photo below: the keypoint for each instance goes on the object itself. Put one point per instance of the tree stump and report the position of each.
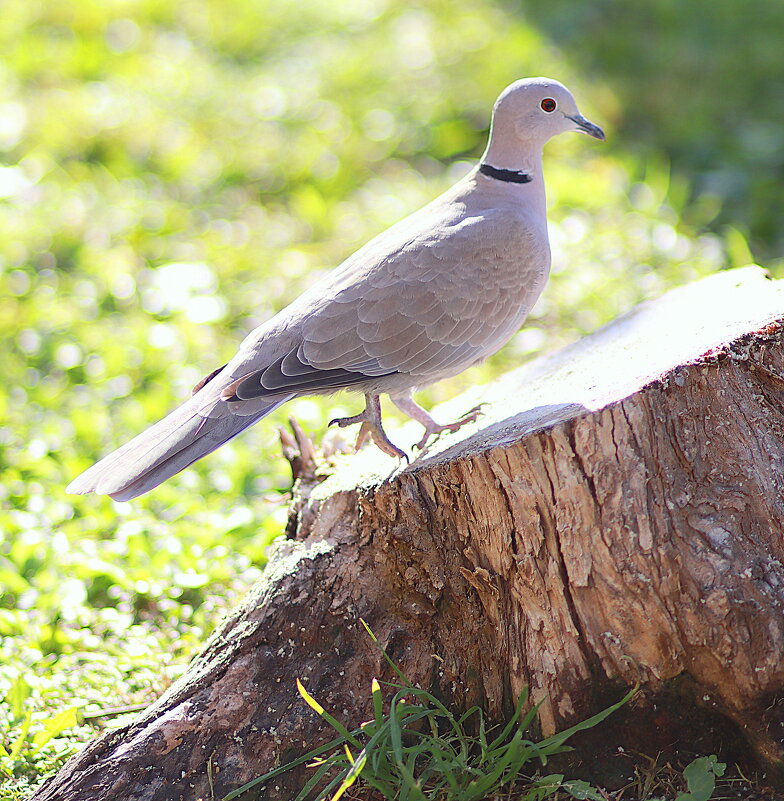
(614, 517)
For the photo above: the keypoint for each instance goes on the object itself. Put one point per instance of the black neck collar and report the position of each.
(510, 176)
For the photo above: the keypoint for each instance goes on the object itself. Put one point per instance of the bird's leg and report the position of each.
(409, 406)
(371, 426)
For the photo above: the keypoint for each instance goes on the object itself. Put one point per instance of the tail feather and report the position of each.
(167, 447)
(221, 432)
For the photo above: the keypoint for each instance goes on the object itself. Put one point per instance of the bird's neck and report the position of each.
(516, 171)
(512, 156)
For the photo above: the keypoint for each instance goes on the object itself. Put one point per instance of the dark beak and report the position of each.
(587, 127)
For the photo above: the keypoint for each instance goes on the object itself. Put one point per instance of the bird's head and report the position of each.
(535, 109)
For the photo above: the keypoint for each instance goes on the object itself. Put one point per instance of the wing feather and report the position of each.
(441, 300)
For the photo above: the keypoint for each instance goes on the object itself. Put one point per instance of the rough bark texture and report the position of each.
(615, 517)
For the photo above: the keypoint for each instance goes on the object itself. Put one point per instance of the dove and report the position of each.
(429, 297)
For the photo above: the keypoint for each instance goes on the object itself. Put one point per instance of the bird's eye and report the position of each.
(548, 104)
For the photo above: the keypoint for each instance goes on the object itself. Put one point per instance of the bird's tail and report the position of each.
(191, 431)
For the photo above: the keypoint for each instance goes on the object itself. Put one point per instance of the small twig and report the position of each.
(113, 711)
(306, 448)
(298, 450)
(209, 777)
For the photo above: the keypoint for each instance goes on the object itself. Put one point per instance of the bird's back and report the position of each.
(450, 283)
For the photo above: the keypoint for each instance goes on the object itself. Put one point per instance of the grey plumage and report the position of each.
(434, 294)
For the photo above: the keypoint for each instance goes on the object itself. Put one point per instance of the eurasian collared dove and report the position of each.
(433, 295)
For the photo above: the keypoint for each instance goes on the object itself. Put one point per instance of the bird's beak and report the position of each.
(587, 127)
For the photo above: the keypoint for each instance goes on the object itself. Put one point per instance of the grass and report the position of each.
(170, 175)
(420, 751)
(663, 781)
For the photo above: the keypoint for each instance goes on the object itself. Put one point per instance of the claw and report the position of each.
(436, 430)
(475, 412)
(342, 422)
(370, 420)
(365, 431)
(407, 405)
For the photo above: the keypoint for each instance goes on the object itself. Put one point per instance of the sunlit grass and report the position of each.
(172, 175)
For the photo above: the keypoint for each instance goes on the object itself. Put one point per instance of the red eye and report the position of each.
(548, 104)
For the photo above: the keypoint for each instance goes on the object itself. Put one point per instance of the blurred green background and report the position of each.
(172, 173)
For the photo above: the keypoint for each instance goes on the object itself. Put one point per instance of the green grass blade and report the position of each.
(561, 737)
(336, 724)
(395, 734)
(474, 710)
(314, 780)
(547, 785)
(394, 667)
(384, 786)
(326, 791)
(410, 786)
(378, 702)
(283, 768)
(480, 787)
(515, 721)
(353, 773)
(19, 742)
(16, 696)
(482, 738)
(54, 726)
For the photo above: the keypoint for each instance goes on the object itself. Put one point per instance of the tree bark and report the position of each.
(614, 517)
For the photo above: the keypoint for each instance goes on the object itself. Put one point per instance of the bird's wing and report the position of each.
(443, 300)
